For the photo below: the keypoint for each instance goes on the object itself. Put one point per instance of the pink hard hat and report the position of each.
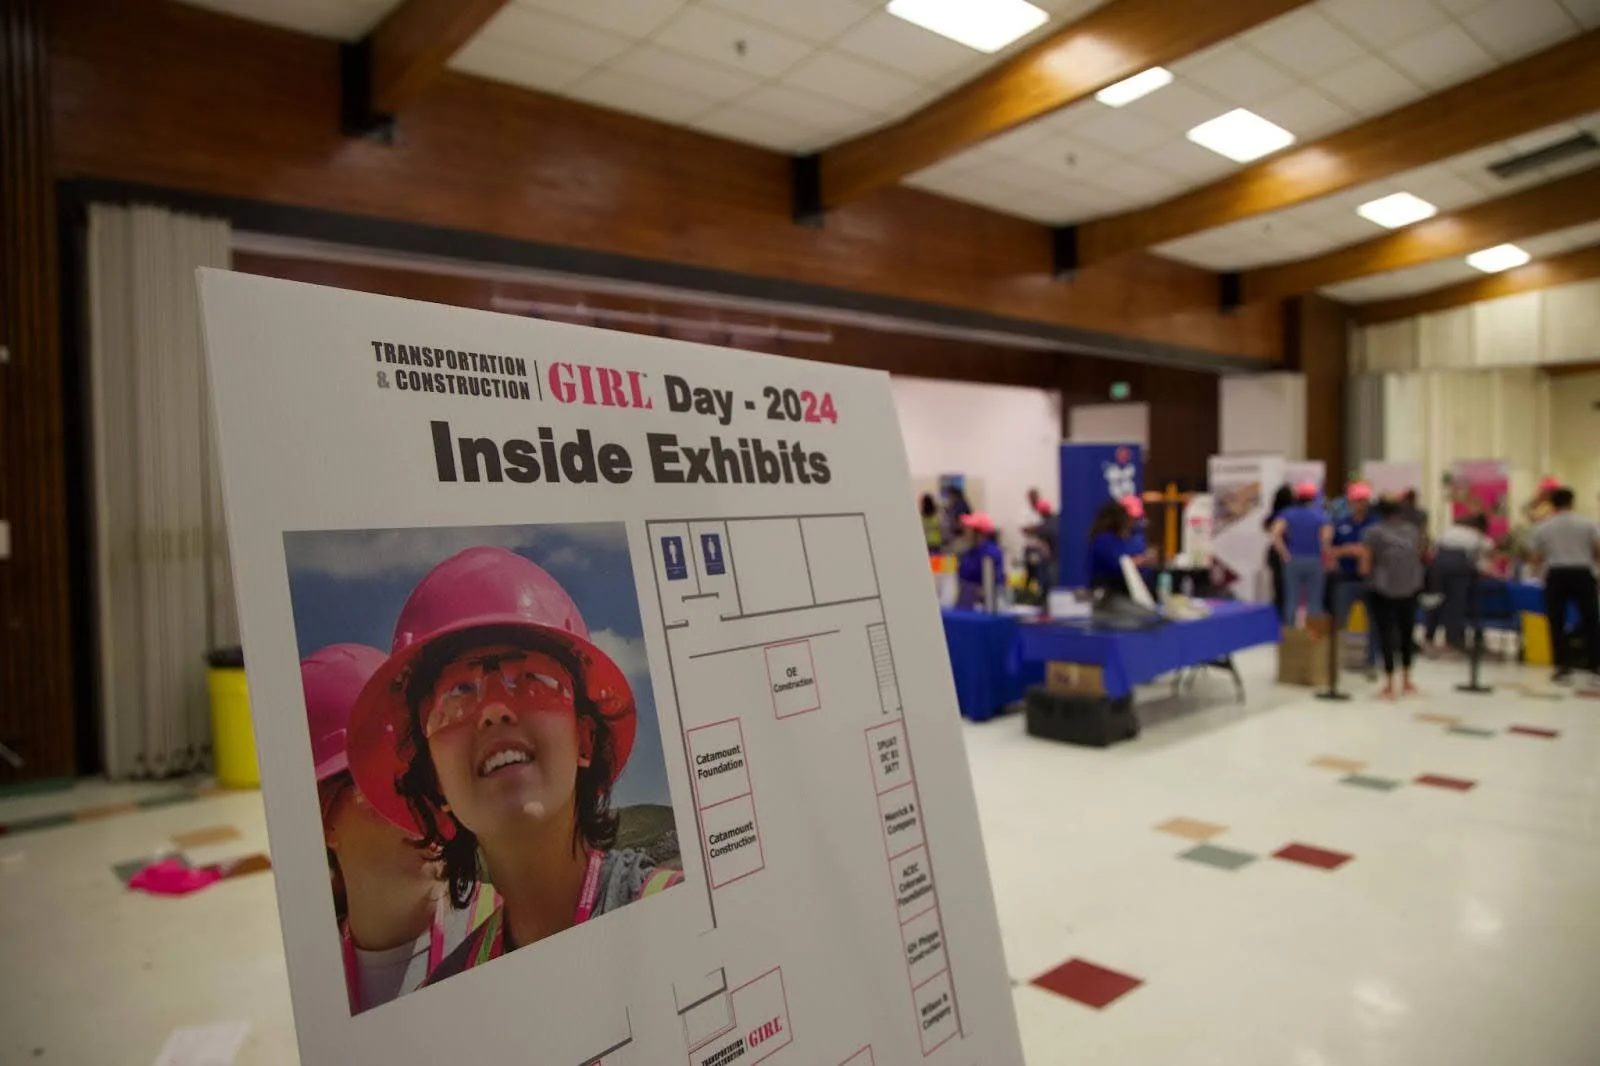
(1358, 490)
(1133, 505)
(332, 678)
(478, 589)
(1306, 490)
(980, 521)
(1549, 484)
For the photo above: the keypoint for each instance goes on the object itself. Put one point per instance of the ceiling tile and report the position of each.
(910, 49)
(1180, 106)
(812, 20)
(636, 19)
(1071, 158)
(852, 81)
(1514, 28)
(716, 36)
(1587, 12)
(520, 26)
(680, 72)
(740, 122)
(1400, 283)
(1234, 73)
(1370, 86)
(1382, 23)
(1457, 8)
(1441, 57)
(1306, 113)
(1215, 250)
(1020, 141)
(797, 105)
(1137, 181)
(1304, 42)
(348, 20)
(640, 96)
(1121, 131)
(1442, 189)
(1188, 161)
(516, 65)
(1070, 117)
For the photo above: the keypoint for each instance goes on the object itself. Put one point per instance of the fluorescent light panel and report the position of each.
(986, 25)
(1500, 257)
(1396, 210)
(1241, 135)
(1128, 90)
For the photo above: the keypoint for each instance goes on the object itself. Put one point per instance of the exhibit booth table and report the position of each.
(1127, 658)
(988, 674)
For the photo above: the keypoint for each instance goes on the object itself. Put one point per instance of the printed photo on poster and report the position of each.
(484, 733)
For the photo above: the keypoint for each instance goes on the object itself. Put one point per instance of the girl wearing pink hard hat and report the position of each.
(983, 546)
(1302, 537)
(394, 923)
(499, 729)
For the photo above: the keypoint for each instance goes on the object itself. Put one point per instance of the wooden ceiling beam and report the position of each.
(389, 68)
(1114, 42)
(1581, 265)
(1557, 85)
(1568, 201)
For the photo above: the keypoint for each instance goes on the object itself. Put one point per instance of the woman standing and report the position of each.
(1282, 500)
(932, 526)
(983, 550)
(1110, 538)
(1392, 564)
(1302, 536)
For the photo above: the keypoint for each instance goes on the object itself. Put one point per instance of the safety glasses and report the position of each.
(527, 682)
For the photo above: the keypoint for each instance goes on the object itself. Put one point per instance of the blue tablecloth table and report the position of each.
(983, 658)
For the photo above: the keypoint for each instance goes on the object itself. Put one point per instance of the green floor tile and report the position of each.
(1222, 858)
(168, 799)
(42, 821)
(1468, 731)
(1377, 784)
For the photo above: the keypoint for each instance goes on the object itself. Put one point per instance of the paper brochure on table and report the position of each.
(602, 705)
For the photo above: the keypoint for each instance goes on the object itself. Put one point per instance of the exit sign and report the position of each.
(1121, 390)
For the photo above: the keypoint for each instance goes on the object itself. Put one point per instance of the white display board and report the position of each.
(653, 677)
(1242, 488)
(1303, 470)
(1391, 477)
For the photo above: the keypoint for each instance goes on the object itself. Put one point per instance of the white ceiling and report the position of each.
(798, 75)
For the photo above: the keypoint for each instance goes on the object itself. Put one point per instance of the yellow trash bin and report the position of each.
(233, 738)
(1536, 639)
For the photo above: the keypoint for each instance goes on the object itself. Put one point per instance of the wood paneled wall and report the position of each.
(1317, 343)
(1185, 415)
(155, 92)
(37, 709)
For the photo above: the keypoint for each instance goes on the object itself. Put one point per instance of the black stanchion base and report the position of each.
(1476, 688)
(1331, 694)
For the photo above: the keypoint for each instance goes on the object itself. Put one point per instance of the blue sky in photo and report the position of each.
(348, 586)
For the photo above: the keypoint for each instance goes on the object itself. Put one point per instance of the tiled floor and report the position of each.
(1465, 930)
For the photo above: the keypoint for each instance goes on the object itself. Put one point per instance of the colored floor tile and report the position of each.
(1221, 858)
(1534, 731)
(1458, 784)
(1376, 784)
(1321, 858)
(1438, 719)
(211, 834)
(109, 810)
(170, 799)
(1469, 731)
(126, 870)
(1334, 762)
(1190, 828)
(1093, 986)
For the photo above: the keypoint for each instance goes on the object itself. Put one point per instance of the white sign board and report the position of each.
(602, 706)
(1242, 487)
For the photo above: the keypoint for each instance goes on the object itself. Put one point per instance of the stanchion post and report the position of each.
(1332, 691)
(1474, 685)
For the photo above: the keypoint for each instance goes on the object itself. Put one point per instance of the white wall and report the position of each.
(1007, 438)
(1575, 437)
(1110, 423)
(1263, 414)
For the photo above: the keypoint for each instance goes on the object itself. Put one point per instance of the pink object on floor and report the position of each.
(169, 877)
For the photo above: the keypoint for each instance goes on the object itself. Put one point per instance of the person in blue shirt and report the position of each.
(1110, 538)
(1348, 586)
(1301, 536)
(983, 545)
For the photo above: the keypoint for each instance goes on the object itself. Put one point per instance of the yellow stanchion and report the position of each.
(233, 738)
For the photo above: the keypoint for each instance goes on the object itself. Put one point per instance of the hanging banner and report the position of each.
(575, 661)
(1091, 474)
(1392, 477)
(1482, 487)
(1242, 488)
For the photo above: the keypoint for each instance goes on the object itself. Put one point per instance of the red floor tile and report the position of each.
(1093, 986)
(1534, 731)
(1460, 784)
(1321, 858)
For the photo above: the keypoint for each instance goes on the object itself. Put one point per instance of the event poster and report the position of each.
(1392, 477)
(1482, 487)
(1242, 487)
(603, 711)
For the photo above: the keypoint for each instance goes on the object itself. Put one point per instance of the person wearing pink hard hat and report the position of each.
(1302, 537)
(501, 729)
(983, 547)
(1346, 584)
(1110, 538)
(394, 924)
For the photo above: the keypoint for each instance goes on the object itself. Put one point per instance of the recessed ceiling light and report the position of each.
(1396, 210)
(1241, 135)
(987, 25)
(1128, 90)
(1500, 257)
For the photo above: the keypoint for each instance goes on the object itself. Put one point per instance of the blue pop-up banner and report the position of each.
(1091, 474)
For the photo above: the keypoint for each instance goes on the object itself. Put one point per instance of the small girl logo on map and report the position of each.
(1121, 479)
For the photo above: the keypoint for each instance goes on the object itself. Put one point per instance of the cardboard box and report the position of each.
(1303, 657)
(1075, 679)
